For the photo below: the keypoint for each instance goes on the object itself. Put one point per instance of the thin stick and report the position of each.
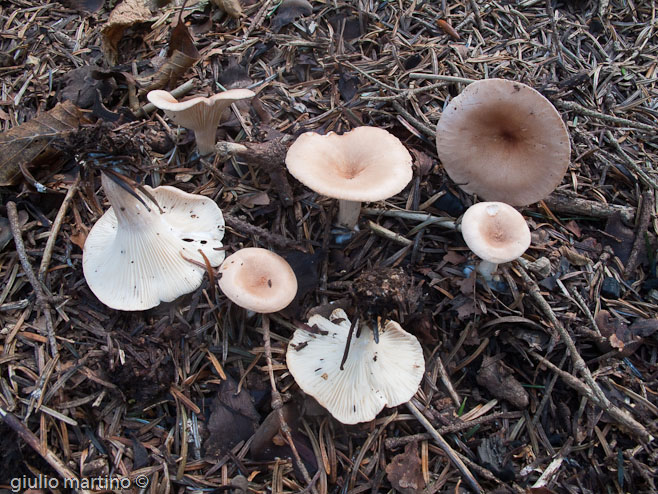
(54, 230)
(595, 393)
(571, 204)
(181, 90)
(428, 131)
(620, 416)
(640, 232)
(438, 77)
(446, 448)
(42, 300)
(570, 105)
(262, 234)
(33, 441)
(277, 403)
(629, 161)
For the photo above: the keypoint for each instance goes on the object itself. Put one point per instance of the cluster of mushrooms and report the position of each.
(500, 140)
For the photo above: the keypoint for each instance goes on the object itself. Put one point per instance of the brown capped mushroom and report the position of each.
(503, 141)
(199, 114)
(364, 164)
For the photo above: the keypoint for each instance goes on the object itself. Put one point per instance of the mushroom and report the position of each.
(258, 280)
(365, 164)
(199, 114)
(496, 233)
(374, 375)
(138, 253)
(503, 141)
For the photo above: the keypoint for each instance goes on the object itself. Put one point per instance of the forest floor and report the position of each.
(549, 385)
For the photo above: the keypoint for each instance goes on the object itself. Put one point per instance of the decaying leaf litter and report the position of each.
(100, 392)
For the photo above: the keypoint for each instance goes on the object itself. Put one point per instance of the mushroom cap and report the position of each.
(135, 259)
(200, 112)
(503, 141)
(258, 279)
(375, 375)
(364, 164)
(495, 232)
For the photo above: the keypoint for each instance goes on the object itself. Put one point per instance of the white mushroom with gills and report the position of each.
(141, 253)
(199, 114)
(258, 280)
(355, 387)
(503, 141)
(366, 164)
(496, 233)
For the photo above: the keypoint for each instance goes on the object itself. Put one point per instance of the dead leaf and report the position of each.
(622, 337)
(447, 28)
(254, 199)
(422, 162)
(348, 86)
(405, 472)
(80, 86)
(288, 11)
(619, 237)
(126, 14)
(233, 419)
(574, 257)
(90, 6)
(454, 258)
(501, 384)
(573, 227)
(182, 54)
(21, 145)
(231, 7)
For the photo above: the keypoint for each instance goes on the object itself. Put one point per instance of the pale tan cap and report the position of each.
(258, 280)
(363, 165)
(495, 232)
(200, 114)
(503, 141)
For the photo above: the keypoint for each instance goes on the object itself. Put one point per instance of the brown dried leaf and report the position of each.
(21, 145)
(126, 14)
(622, 337)
(423, 162)
(254, 199)
(231, 7)
(453, 257)
(233, 419)
(574, 257)
(84, 5)
(288, 11)
(619, 237)
(500, 383)
(405, 472)
(182, 54)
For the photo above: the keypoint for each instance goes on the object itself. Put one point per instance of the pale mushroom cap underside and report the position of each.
(375, 375)
(503, 141)
(365, 164)
(196, 113)
(136, 265)
(258, 279)
(495, 232)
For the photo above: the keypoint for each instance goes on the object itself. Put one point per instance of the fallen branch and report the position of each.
(445, 447)
(42, 300)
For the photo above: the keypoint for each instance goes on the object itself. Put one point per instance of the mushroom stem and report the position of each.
(348, 213)
(487, 269)
(129, 211)
(205, 139)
